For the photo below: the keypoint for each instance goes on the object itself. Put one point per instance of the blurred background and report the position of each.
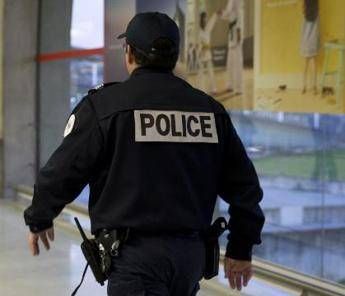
(53, 51)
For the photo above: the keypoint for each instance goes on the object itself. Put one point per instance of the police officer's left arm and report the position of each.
(241, 189)
(68, 170)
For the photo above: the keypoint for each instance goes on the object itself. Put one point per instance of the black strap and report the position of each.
(82, 279)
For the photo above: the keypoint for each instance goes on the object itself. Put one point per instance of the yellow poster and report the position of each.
(300, 56)
(272, 55)
(219, 51)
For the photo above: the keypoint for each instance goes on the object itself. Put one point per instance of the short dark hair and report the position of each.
(165, 58)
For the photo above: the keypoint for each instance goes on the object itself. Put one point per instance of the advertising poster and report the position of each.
(300, 46)
(219, 50)
(176, 9)
(269, 55)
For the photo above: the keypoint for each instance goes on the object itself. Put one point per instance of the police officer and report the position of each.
(156, 152)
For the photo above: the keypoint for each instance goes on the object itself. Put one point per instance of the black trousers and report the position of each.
(158, 266)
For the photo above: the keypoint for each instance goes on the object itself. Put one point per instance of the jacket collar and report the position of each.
(145, 70)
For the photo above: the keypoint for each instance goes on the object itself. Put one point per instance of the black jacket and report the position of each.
(156, 152)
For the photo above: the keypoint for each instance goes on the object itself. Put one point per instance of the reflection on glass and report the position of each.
(85, 74)
(300, 159)
(66, 25)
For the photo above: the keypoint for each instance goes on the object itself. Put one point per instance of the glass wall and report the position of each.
(287, 107)
(300, 159)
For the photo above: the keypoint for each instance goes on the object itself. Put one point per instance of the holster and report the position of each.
(91, 253)
(99, 251)
(109, 244)
(212, 247)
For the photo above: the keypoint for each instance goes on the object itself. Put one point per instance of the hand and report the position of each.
(237, 272)
(43, 235)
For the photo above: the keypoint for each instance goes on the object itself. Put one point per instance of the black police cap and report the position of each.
(146, 28)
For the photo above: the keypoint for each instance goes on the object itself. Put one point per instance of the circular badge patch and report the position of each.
(69, 126)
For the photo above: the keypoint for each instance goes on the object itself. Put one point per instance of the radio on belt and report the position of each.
(175, 126)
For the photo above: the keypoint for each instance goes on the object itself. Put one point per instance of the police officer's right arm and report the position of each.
(68, 170)
(241, 189)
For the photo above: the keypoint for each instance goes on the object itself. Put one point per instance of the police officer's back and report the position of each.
(156, 152)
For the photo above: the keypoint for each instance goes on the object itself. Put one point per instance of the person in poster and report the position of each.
(205, 54)
(232, 13)
(310, 43)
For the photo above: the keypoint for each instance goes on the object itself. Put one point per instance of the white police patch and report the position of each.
(69, 126)
(175, 126)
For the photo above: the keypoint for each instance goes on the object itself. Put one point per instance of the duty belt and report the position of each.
(177, 233)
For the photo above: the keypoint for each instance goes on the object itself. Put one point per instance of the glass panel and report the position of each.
(87, 24)
(332, 215)
(300, 159)
(85, 74)
(71, 24)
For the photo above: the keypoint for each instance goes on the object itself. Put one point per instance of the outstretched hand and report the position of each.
(238, 272)
(45, 236)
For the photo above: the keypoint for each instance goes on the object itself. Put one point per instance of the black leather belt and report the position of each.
(171, 233)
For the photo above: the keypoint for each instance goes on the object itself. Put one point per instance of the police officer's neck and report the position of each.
(132, 67)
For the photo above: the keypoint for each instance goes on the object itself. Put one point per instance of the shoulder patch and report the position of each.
(101, 86)
(69, 126)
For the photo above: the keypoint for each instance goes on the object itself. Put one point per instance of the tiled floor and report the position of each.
(55, 272)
